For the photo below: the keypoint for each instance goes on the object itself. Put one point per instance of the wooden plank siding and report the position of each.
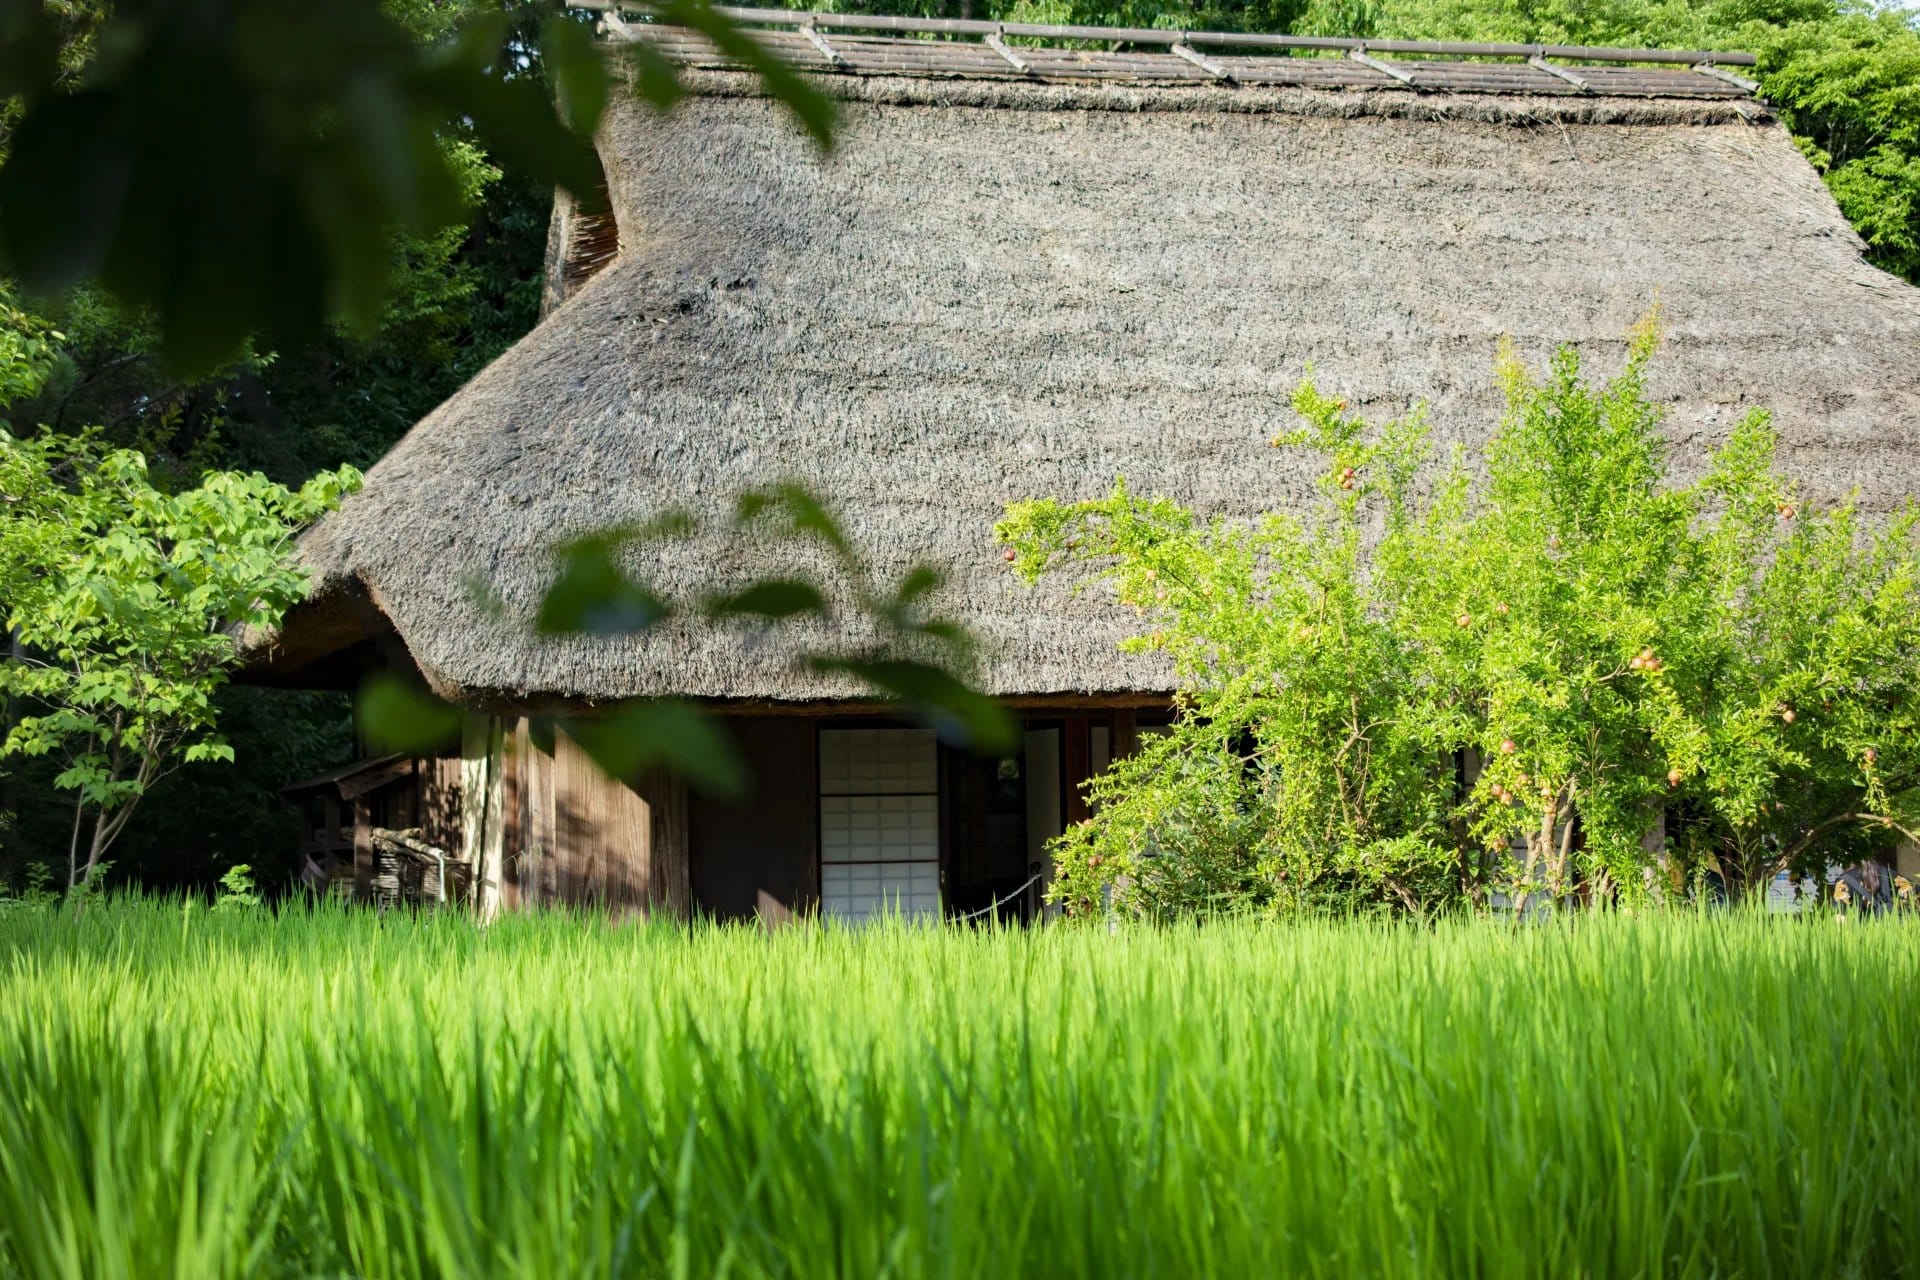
(574, 836)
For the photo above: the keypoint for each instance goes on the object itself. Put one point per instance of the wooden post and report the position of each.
(1126, 732)
(1079, 752)
(362, 849)
(482, 833)
(669, 869)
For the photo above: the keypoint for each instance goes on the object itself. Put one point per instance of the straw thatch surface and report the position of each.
(995, 291)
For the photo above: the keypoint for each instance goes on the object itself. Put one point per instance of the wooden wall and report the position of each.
(570, 834)
(541, 824)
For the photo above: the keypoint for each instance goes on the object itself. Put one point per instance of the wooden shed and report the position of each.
(1040, 258)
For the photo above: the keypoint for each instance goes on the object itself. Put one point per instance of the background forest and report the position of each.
(1845, 75)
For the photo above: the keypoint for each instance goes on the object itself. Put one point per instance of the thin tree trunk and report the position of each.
(96, 846)
(16, 654)
(73, 845)
(1566, 854)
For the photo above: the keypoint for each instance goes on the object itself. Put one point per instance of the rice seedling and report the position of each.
(327, 1093)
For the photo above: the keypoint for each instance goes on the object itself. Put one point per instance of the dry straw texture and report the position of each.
(995, 291)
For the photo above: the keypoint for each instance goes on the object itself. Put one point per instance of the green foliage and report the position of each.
(122, 600)
(326, 1093)
(377, 114)
(458, 291)
(1382, 701)
(36, 891)
(237, 892)
(311, 137)
(28, 350)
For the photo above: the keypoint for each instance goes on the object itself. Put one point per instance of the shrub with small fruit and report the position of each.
(1495, 681)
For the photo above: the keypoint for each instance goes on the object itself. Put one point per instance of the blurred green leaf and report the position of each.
(946, 703)
(921, 580)
(814, 110)
(950, 633)
(403, 717)
(61, 190)
(773, 599)
(29, 47)
(578, 66)
(594, 595)
(800, 513)
(653, 77)
(669, 733)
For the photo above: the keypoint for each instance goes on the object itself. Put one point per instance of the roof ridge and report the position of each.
(806, 20)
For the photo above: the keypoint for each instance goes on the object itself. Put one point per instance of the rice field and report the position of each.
(330, 1093)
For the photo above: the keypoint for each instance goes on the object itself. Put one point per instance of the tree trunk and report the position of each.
(73, 845)
(16, 653)
(95, 847)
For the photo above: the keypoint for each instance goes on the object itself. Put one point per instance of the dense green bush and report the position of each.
(1441, 685)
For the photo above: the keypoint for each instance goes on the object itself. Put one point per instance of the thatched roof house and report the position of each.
(1027, 269)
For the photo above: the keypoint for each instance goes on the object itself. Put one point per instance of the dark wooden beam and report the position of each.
(1078, 743)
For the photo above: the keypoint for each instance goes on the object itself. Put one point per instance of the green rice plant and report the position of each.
(328, 1092)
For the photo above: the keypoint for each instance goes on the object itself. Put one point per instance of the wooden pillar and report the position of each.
(533, 845)
(482, 831)
(669, 868)
(1079, 753)
(362, 850)
(1126, 732)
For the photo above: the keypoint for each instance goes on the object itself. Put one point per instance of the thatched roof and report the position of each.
(1004, 287)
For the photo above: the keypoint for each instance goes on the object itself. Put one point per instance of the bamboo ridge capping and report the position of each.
(1218, 39)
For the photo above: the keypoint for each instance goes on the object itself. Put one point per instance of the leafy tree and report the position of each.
(414, 309)
(122, 599)
(1437, 686)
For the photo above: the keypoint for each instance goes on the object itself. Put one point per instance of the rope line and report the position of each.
(997, 902)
